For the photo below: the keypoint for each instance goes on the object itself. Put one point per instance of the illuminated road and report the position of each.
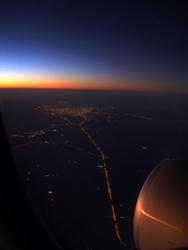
(106, 172)
(107, 182)
(25, 145)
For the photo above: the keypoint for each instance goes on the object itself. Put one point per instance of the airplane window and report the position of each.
(92, 98)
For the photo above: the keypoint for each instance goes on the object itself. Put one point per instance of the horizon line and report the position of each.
(98, 89)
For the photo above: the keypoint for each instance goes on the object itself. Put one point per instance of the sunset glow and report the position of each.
(15, 80)
(101, 54)
(10, 79)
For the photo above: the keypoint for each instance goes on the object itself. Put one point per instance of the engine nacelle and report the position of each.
(161, 214)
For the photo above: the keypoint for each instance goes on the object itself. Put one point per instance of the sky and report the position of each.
(128, 45)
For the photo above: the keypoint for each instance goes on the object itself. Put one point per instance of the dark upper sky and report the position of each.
(128, 44)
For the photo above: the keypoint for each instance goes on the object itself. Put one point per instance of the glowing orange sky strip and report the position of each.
(160, 221)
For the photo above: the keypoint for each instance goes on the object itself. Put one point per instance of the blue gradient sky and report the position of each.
(130, 44)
